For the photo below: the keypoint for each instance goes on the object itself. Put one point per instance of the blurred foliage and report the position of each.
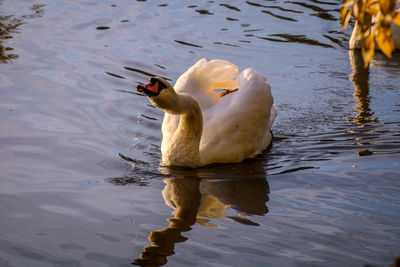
(9, 25)
(374, 18)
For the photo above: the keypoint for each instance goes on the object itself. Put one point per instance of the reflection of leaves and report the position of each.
(382, 13)
(9, 25)
(38, 9)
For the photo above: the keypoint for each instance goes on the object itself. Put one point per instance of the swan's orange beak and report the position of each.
(149, 89)
(152, 88)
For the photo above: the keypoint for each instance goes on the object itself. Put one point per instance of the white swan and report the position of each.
(200, 127)
(356, 41)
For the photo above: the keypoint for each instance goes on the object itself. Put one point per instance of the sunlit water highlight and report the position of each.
(80, 181)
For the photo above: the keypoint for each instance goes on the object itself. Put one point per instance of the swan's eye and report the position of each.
(157, 83)
(153, 81)
(161, 85)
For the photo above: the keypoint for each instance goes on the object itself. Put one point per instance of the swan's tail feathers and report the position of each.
(273, 115)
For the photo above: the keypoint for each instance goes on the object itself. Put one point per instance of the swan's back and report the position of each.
(236, 126)
(200, 80)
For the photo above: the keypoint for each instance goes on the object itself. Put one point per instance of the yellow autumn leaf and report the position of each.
(387, 6)
(372, 2)
(347, 4)
(385, 41)
(368, 49)
(358, 11)
(345, 13)
(345, 17)
(373, 8)
(396, 18)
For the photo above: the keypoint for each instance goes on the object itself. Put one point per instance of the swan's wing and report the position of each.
(200, 81)
(238, 126)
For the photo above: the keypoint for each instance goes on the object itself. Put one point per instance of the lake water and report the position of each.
(80, 180)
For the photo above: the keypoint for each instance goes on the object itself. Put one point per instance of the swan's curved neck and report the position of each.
(182, 149)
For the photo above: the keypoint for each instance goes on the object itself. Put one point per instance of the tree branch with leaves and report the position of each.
(374, 19)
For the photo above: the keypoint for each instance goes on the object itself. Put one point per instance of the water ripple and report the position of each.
(289, 38)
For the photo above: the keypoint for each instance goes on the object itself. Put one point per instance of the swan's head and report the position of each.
(154, 87)
(159, 91)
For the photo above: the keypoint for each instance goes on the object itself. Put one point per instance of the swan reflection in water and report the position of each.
(363, 117)
(195, 200)
(360, 79)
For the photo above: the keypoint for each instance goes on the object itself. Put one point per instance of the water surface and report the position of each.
(80, 180)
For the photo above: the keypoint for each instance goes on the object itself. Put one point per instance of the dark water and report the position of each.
(80, 181)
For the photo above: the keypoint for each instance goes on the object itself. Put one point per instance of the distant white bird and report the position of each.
(200, 126)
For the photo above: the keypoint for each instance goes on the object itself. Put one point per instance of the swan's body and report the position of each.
(356, 41)
(201, 128)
